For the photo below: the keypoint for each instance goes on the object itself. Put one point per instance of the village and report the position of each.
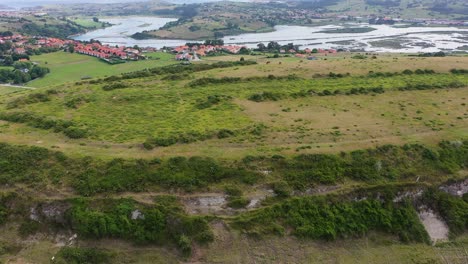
(23, 46)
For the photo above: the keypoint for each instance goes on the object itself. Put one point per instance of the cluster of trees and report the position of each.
(52, 30)
(23, 72)
(274, 46)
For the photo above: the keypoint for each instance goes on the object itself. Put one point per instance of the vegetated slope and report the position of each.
(46, 26)
(386, 201)
(185, 163)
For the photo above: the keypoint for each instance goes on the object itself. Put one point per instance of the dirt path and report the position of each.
(17, 86)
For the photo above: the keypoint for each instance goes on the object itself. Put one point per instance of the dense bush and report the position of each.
(382, 163)
(208, 80)
(78, 255)
(31, 99)
(265, 96)
(238, 202)
(185, 138)
(331, 217)
(159, 223)
(29, 164)
(90, 176)
(453, 209)
(178, 172)
(459, 71)
(224, 80)
(113, 86)
(212, 100)
(315, 168)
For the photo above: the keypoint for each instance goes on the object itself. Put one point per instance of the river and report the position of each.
(384, 38)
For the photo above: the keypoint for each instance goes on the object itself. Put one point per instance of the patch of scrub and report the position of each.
(436, 228)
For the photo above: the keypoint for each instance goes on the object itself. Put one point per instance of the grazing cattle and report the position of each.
(280, 62)
(268, 62)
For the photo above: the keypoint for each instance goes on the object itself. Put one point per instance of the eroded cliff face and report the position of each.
(456, 188)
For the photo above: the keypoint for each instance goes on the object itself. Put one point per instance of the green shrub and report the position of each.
(78, 255)
(330, 218)
(281, 189)
(238, 202)
(159, 223)
(114, 86)
(29, 227)
(232, 190)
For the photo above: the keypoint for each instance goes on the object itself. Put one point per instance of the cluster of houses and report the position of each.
(21, 44)
(309, 54)
(106, 52)
(191, 53)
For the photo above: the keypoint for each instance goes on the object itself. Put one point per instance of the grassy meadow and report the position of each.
(66, 67)
(119, 121)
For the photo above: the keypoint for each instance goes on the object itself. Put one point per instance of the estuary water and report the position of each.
(384, 38)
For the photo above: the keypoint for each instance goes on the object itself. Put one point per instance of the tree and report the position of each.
(95, 19)
(273, 45)
(71, 48)
(261, 46)
(6, 34)
(244, 50)
(8, 60)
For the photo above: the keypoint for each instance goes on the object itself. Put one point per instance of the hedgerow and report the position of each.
(90, 176)
(67, 127)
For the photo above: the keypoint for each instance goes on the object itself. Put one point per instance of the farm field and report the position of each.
(66, 67)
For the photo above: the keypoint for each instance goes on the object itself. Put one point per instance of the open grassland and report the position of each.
(87, 22)
(295, 120)
(340, 63)
(7, 90)
(66, 67)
